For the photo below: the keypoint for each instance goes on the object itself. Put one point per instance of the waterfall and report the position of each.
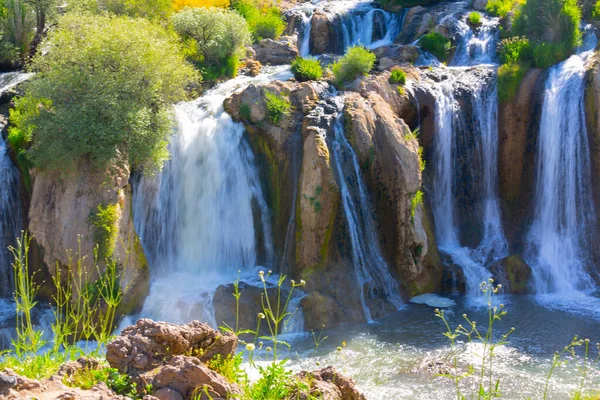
(564, 215)
(372, 272)
(355, 22)
(478, 145)
(10, 201)
(10, 217)
(197, 218)
(476, 46)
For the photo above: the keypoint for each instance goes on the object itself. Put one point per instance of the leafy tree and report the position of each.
(214, 36)
(104, 91)
(16, 25)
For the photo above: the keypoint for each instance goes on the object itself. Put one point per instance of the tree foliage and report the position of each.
(217, 34)
(103, 89)
(181, 4)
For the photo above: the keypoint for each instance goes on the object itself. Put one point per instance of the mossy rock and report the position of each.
(513, 273)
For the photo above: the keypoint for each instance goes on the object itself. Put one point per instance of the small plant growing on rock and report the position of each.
(278, 106)
(416, 201)
(307, 69)
(357, 61)
(436, 44)
(398, 76)
(474, 19)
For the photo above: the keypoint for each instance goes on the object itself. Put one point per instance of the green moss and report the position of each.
(245, 111)
(104, 221)
(278, 106)
(139, 251)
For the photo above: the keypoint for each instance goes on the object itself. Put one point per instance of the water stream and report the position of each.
(564, 218)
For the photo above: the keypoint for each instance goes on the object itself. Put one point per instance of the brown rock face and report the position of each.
(329, 384)
(60, 212)
(188, 376)
(276, 52)
(390, 162)
(148, 344)
(320, 310)
(322, 36)
(395, 54)
(517, 133)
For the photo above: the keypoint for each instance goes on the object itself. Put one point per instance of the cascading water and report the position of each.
(476, 46)
(355, 22)
(450, 126)
(374, 278)
(196, 219)
(10, 202)
(10, 217)
(564, 215)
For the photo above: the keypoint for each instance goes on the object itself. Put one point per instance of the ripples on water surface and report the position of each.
(389, 358)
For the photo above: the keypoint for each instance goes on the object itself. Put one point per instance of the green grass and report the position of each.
(278, 106)
(474, 19)
(510, 77)
(416, 201)
(307, 69)
(501, 8)
(357, 61)
(436, 44)
(397, 76)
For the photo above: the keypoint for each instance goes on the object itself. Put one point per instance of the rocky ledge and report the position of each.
(175, 361)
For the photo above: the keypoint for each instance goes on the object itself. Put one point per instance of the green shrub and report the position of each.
(106, 86)
(551, 25)
(277, 106)
(596, 10)
(264, 23)
(357, 61)
(515, 49)
(474, 19)
(104, 221)
(149, 9)
(501, 8)
(218, 34)
(436, 44)
(510, 77)
(307, 69)
(397, 76)
(416, 201)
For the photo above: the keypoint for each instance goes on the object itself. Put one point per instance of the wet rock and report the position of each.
(322, 34)
(518, 126)
(329, 384)
(149, 344)
(395, 54)
(187, 374)
(389, 159)
(253, 67)
(480, 4)
(416, 23)
(319, 311)
(167, 394)
(276, 52)
(513, 273)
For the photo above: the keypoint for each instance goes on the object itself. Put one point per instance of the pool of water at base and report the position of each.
(402, 355)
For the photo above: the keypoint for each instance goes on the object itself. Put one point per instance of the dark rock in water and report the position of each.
(396, 54)
(7, 382)
(322, 34)
(454, 277)
(149, 344)
(513, 274)
(276, 52)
